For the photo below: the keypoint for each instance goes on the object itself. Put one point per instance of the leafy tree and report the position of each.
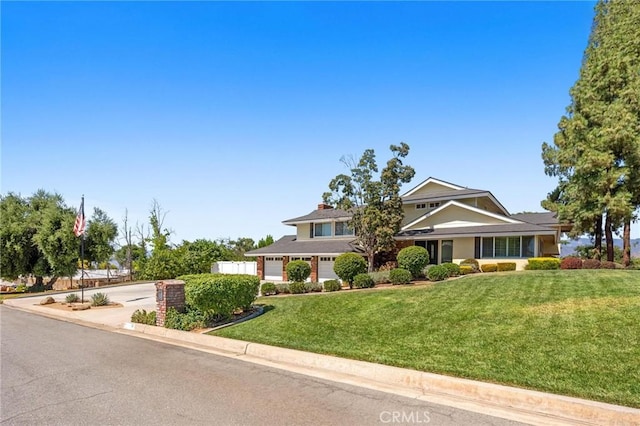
(198, 256)
(100, 236)
(122, 254)
(375, 204)
(596, 152)
(239, 247)
(266, 241)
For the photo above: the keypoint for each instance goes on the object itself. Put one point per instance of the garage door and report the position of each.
(273, 268)
(325, 268)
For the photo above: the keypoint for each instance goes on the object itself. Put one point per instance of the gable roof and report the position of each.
(476, 231)
(542, 219)
(289, 245)
(432, 180)
(505, 219)
(319, 215)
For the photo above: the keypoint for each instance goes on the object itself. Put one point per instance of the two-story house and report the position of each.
(452, 222)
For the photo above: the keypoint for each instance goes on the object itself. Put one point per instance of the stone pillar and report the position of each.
(314, 269)
(285, 261)
(169, 294)
(260, 267)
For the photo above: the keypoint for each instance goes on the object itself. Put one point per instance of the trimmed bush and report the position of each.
(218, 294)
(452, 268)
(144, 317)
(489, 267)
(571, 262)
(282, 288)
(363, 281)
(466, 269)
(591, 264)
(298, 271)
(605, 264)
(413, 259)
(474, 264)
(71, 298)
(506, 266)
(438, 273)
(348, 265)
(380, 277)
(99, 299)
(543, 263)
(332, 285)
(297, 288)
(187, 321)
(399, 276)
(313, 287)
(267, 289)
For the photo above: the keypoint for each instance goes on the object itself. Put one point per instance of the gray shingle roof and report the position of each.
(506, 229)
(541, 218)
(289, 245)
(319, 215)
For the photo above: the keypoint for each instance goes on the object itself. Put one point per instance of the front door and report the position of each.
(432, 248)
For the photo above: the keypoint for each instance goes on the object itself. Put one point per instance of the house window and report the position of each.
(508, 246)
(528, 246)
(434, 205)
(322, 229)
(487, 247)
(327, 259)
(342, 228)
(421, 206)
(500, 247)
(447, 251)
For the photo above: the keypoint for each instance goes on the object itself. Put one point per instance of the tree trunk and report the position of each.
(598, 238)
(370, 259)
(608, 233)
(39, 282)
(50, 283)
(626, 243)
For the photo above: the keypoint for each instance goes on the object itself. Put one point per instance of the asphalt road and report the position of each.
(58, 373)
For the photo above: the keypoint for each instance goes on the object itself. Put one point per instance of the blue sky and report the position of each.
(234, 116)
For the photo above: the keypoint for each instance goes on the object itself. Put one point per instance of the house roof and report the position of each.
(543, 219)
(433, 180)
(451, 204)
(318, 215)
(447, 195)
(478, 230)
(289, 245)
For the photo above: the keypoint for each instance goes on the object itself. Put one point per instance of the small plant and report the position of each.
(438, 273)
(543, 263)
(489, 267)
(571, 262)
(466, 269)
(187, 321)
(297, 288)
(144, 317)
(413, 259)
(380, 277)
(21, 288)
(99, 299)
(452, 268)
(506, 266)
(298, 270)
(332, 285)
(605, 264)
(312, 287)
(473, 263)
(400, 276)
(267, 289)
(348, 265)
(282, 288)
(591, 264)
(71, 298)
(363, 281)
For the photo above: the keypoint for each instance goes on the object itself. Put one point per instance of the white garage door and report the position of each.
(273, 268)
(325, 268)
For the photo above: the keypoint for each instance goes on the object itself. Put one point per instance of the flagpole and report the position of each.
(82, 262)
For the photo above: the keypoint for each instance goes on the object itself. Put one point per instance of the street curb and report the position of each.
(531, 406)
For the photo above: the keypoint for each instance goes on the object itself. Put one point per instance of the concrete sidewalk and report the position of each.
(517, 404)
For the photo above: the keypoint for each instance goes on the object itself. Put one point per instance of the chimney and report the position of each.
(323, 206)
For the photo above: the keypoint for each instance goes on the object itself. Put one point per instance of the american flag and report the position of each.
(78, 227)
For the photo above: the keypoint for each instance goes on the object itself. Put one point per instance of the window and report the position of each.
(322, 229)
(421, 206)
(447, 251)
(508, 246)
(513, 247)
(327, 259)
(342, 228)
(500, 247)
(528, 246)
(434, 205)
(487, 247)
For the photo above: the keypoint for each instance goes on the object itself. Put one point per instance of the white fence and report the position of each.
(249, 268)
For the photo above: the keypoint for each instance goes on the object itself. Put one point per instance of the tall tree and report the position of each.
(375, 204)
(596, 152)
(100, 237)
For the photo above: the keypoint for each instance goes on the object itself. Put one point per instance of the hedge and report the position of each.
(489, 267)
(332, 285)
(543, 263)
(438, 273)
(399, 276)
(363, 281)
(413, 259)
(453, 269)
(571, 262)
(298, 270)
(220, 294)
(348, 265)
(506, 266)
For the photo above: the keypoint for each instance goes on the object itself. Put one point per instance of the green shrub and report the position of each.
(313, 287)
(99, 299)
(399, 276)
(543, 263)
(452, 268)
(605, 264)
(380, 277)
(332, 285)
(21, 288)
(473, 263)
(363, 281)
(438, 273)
(282, 288)
(297, 288)
(144, 317)
(218, 294)
(489, 267)
(71, 298)
(267, 289)
(571, 262)
(187, 321)
(466, 269)
(413, 259)
(298, 270)
(506, 266)
(591, 264)
(348, 265)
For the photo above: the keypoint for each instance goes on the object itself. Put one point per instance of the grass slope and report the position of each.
(568, 332)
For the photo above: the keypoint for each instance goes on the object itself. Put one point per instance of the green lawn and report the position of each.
(568, 332)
